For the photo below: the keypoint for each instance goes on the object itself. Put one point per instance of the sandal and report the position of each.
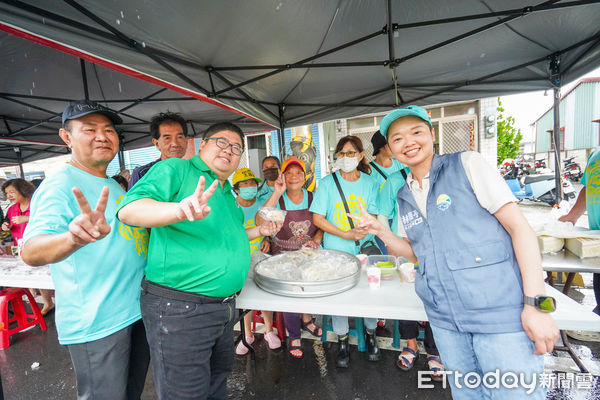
(295, 350)
(241, 349)
(272, 340)
(312, 328)
(409, 359)
(435, 365)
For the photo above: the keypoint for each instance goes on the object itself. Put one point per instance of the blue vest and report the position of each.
(468, 276)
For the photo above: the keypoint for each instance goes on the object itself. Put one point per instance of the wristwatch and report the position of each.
(542, 303)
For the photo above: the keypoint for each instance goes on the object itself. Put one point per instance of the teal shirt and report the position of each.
(250, 222)
(264, 192)
(209, 257)
(327, 202)
(291, 206)
(98, 286)
(591, 181)
(388, 202)
(396, 166)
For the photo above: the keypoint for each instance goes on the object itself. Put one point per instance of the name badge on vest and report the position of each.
(411, 219)
(443, 202)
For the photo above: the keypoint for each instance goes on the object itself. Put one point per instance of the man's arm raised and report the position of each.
(88, 227)
(150, 213)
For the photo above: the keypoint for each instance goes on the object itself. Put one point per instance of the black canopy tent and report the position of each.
(289, 63)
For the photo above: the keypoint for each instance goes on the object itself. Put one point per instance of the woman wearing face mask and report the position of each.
(270, 169)
(298, 231)
(329, 214)
(245, 185)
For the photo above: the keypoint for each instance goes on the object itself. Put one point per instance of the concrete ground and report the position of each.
(275, 375)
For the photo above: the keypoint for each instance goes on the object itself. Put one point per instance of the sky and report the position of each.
(527, 107)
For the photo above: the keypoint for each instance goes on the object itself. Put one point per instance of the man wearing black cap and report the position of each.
(97, 262)
(384, 164)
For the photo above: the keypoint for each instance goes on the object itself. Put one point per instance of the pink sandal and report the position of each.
(272, 340)
(241, 349)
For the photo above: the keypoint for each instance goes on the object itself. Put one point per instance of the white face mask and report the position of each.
(347, 164)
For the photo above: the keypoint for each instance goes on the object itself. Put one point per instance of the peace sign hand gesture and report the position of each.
(90, 225)
(195, 207)
(366, 222)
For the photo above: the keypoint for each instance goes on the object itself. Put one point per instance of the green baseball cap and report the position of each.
(415, 111)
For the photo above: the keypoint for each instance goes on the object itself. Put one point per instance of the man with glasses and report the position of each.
(199, 256)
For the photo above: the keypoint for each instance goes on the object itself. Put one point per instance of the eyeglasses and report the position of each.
(223, 143)
(347, 153)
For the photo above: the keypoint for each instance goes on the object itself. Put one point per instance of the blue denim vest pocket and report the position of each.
(485, 276)
(422, 285)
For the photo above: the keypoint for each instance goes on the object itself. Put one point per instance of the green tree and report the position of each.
(509, 138)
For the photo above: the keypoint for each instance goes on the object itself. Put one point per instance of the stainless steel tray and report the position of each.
(308, 289)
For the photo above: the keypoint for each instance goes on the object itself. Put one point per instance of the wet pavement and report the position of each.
(275, 375)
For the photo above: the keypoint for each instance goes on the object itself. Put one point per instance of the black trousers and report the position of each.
(410, 330)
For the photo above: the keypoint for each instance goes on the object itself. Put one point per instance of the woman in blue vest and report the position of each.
(330, 216)
(479, 275)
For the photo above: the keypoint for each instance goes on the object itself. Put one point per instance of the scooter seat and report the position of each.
(538, 178)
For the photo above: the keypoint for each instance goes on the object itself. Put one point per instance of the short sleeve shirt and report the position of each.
(209, 257)
(388, 198)
(291, 206)
(98, 286)
(250, 222)
(489, 187)
(591, 181)
(264, 192)
(16, 230)
(395, 167)
(328, 202)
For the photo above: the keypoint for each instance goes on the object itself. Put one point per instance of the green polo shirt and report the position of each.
(209, 257)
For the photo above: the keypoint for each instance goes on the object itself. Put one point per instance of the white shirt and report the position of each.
(489, 187)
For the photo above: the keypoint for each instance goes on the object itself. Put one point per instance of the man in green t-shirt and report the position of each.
(198, 260)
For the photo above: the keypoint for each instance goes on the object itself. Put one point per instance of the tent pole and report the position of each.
(281, 131)
(556, 83)
(121, 152)
(21, 173)
(84, 81)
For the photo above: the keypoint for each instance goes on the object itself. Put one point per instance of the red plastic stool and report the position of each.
(21, 317)
(278, 323)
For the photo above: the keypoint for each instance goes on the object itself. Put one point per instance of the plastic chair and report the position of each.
(358, 332)
(23, 319)
(278, 323)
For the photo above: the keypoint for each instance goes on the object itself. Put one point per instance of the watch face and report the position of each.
(545, 303)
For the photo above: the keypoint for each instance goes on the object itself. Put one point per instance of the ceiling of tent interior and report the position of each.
(285, 62)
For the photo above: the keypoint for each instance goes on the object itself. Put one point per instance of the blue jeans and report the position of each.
(191, 346)
(341, 328)
(484, 353)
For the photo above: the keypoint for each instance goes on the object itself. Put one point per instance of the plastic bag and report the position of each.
(272, 214)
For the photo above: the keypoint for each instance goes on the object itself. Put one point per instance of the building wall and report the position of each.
(576, 111)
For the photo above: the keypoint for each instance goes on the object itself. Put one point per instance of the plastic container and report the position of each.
(387, 265)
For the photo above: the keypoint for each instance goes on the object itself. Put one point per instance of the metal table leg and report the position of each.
(568, 349)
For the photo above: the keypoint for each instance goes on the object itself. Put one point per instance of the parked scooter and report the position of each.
(539, 187)
(540, 164)
(572, 170)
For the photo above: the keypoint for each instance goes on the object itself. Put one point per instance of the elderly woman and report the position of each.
(19, 192)
(330, 215)
(298, 230)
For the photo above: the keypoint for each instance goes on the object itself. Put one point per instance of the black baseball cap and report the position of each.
(81, 108)
(378, 141)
